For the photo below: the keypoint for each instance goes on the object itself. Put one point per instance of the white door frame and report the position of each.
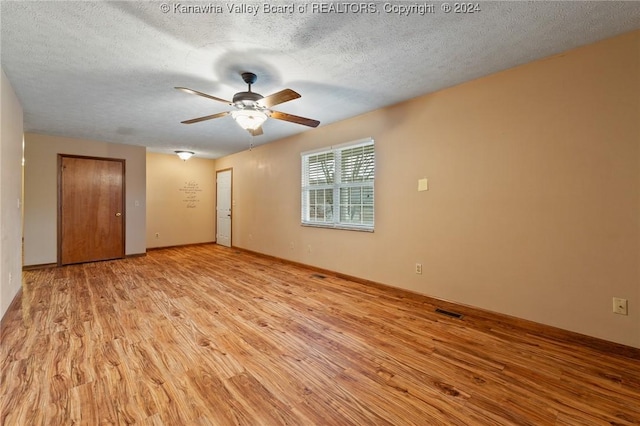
(224, 206)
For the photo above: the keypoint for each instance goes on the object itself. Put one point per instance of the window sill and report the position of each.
(337, 226)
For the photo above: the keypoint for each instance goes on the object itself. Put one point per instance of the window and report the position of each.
(337, 186)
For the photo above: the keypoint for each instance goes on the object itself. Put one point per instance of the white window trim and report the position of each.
(352, 144)
(336, 224)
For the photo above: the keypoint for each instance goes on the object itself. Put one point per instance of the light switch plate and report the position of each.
(423, 184)
(620, 306)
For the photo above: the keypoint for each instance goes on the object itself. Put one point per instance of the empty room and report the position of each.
(320, 213)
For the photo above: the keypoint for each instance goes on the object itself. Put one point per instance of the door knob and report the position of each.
(118, 214)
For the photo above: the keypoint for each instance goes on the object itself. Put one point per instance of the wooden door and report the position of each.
(223, 207)
(91, 209)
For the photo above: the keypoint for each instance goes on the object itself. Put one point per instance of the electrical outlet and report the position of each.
(620, 306)
(418, 268)
(291, 245)
(309, 248)
(157, 235)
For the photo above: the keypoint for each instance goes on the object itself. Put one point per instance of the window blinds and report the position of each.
(338, 186)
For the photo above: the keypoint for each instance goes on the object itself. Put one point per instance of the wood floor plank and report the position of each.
(208, 335)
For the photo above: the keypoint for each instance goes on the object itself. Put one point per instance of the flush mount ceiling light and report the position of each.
(184, 155)
(248, 118)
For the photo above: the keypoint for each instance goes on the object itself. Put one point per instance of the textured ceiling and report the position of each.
(106, 70)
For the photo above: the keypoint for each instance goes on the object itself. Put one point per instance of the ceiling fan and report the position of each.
(253, 109)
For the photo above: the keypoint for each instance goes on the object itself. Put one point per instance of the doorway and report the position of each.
(223, 207)
(91, 220)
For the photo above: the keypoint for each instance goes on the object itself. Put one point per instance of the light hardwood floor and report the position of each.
(207, 335)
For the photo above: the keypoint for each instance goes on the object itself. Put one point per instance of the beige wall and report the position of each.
(41, 192)
(180, 200)
(10, 193)
(533, 208)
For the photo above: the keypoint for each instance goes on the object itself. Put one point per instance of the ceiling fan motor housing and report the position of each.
(246, 99)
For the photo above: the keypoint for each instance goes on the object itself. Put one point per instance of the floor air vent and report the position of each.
(448, 313)
(320, 276)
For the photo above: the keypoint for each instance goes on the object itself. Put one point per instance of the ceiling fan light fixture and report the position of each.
(253, 109)
(184, 155)
(249, 119)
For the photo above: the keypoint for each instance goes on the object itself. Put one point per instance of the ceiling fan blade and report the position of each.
(278, 98)
(294, 119)
(195, 92)
(206, 117)
(256, 132)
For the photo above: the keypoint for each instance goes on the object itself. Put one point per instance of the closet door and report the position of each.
(91, 209)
